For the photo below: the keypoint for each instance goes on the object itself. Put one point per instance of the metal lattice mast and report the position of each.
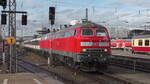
(12, 32)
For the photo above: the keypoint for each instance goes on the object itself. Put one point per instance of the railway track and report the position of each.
(89, 78)
(134, 63)
(32, 68)
(79, 78)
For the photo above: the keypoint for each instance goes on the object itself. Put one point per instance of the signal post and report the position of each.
(12, 57)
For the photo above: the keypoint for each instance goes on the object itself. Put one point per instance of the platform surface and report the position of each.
(129, 54)
(137, 76)
(27, 78)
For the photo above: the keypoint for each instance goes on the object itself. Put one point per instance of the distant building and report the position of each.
(136, 32)
(118, 32)
(27, 38)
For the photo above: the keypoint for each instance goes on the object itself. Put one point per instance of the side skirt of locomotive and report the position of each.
(82, 61)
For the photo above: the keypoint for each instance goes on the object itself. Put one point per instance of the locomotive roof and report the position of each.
(84, 24)
(141, 36)
(87, 24)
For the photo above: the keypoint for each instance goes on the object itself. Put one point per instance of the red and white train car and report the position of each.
(121, 44)
(141, 43)
(32, 44)
(85, 45)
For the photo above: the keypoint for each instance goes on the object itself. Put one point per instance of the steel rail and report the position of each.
(135, 63)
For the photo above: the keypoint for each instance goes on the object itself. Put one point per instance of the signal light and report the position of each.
(24, 19)
(51, 13)
(3, 19)
(3, 3)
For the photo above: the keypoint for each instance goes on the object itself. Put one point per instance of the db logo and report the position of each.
(96, 44)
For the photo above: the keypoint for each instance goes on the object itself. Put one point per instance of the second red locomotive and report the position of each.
(86, 46)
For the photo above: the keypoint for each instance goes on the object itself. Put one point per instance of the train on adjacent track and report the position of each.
(121, 43)
(137, 44)
(85, 46)
(141, 43)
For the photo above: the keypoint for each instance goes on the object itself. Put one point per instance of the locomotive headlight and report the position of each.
(105, 50)
(84, 50)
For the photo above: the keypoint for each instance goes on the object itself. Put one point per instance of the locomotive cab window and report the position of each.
(70, 33)
(140, 42)
(100, 32)
(87, 32)
(147, 43)
(73, 32)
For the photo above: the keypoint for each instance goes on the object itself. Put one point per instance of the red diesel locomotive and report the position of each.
(85, 46)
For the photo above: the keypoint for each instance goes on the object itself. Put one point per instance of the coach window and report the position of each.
(133, 42)
(87, 32)
(147, 42)
(140, 42)
(36, 43)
